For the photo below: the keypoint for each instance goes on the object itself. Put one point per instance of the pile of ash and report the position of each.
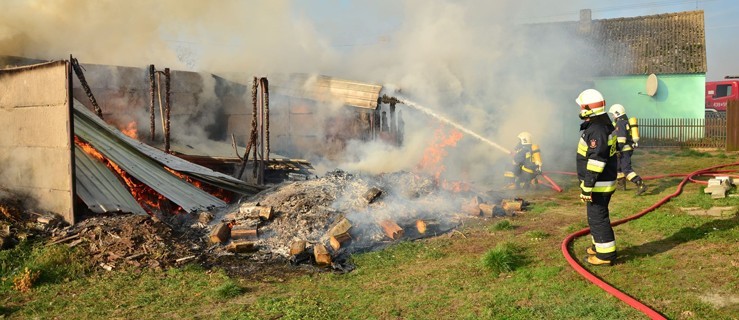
(341, 212)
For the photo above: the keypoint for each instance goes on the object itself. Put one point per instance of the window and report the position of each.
(723, 90)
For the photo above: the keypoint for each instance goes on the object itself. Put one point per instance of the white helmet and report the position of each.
(591, 103)
(617, 110)
(525, 137)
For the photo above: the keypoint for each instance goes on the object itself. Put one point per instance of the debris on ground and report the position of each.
(291, 226)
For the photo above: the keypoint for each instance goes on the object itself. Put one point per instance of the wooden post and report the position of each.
(85, 86)
(168, 106)
(152, 86)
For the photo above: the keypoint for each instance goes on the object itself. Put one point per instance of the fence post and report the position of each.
(732, 126)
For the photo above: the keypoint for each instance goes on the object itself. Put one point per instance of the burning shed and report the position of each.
(56, 151)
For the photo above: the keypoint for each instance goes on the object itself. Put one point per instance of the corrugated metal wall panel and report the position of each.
(175, 163)
(139, 165)
(99, 188)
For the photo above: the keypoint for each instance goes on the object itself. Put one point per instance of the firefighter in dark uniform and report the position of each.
(596, 170)
(627, 136)
(525, 163)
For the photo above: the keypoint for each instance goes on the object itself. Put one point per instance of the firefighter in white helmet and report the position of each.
(596, 170)
(627, 136)
(525, 163)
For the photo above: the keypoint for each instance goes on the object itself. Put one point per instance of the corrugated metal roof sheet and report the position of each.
(109, 142)
(99, 188)
(175, 163)
(326, 89)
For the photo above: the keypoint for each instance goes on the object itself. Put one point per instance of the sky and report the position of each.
(463, 59)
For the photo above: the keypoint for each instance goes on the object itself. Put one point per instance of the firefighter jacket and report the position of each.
(623, 134)
(523, 158)
(596, 155)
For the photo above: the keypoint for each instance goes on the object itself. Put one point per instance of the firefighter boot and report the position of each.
(621, 182)
(591, 250)
(595, 261)
(641, 187)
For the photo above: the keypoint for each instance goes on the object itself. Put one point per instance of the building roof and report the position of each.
(327, 89)
(671, 43)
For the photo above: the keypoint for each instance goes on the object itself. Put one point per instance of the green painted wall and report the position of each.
(678, 95)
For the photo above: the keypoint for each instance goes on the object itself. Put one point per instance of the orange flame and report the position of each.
(436, 152)
(146, 196)
(131, 130)
(219, 193)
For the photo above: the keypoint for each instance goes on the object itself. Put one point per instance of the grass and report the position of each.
(505, 257)
(676, 263)
(503, 225)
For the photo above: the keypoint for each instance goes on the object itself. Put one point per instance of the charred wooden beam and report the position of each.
(254, 128)
(220, 233)
(265, 101)
(372, 194)
(85, 86)
(392, 230)
(152, 87)
(168, 106)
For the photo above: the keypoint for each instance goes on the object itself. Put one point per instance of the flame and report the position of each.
(219, 193)
(149, 199)
(131, 130)
(437, 151)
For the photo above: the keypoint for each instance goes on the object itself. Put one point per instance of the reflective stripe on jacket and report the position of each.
(597, 165)
(623, 133)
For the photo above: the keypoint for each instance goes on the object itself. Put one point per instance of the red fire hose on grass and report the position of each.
(602, 284)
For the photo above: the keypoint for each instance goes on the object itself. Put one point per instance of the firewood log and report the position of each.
(242, 232)
(323, 258)
(392, 229)
(338, 240)
(220, 233)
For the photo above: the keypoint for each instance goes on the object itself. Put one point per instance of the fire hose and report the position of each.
(636, 304)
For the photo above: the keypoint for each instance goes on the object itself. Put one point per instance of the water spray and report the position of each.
(443, 119)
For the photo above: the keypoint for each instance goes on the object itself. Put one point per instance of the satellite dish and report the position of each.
(651, 85)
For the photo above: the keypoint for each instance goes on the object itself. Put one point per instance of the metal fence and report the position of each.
(691, 133)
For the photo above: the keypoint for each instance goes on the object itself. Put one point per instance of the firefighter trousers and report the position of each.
(624, 166)
(599, 221)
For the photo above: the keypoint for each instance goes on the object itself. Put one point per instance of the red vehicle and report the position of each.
(718, 93)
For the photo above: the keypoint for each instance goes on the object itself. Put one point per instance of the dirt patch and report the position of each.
(719, 300)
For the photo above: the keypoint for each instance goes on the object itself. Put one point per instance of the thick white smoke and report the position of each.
(466, 60)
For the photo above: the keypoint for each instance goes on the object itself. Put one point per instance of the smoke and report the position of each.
(468, 61)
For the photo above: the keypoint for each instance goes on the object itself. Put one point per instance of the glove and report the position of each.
(585, 197)
(635, 145)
